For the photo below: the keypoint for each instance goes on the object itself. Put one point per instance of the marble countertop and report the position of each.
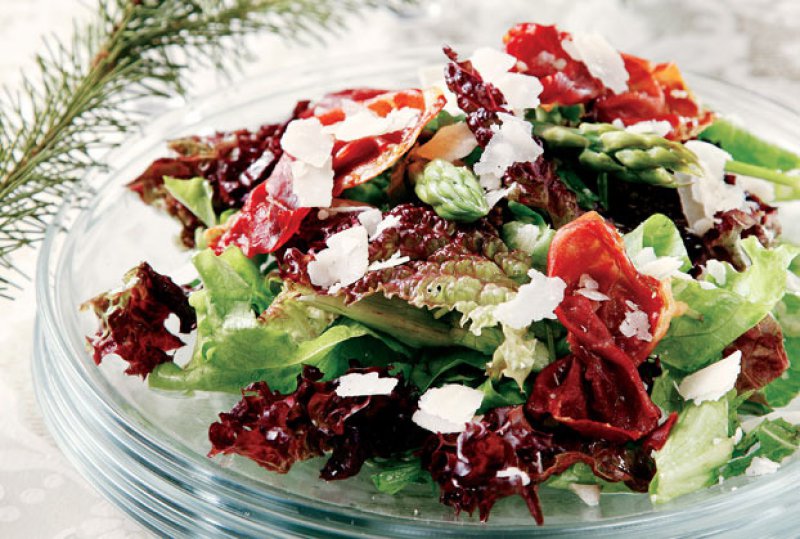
(752, 43)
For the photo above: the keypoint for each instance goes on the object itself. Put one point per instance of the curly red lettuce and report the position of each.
(450, 265)
(480, 100)
(132, 320)
(763, 355)
(723, 241)
(233, 163)
(505, 454)
(277, 430)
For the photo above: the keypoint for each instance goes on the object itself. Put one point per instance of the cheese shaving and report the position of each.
(365, 385)
(313, 186)
(707, 194)
(534, 301)
(713, 382)
(602, 60)
(343, 262)
(448, 408)
(512, 142)
(306, 141)
(636, 323)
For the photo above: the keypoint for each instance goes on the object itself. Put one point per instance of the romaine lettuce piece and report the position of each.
(659, 233)
(717, 316)
(234, 347)
(196, 194)
(786, 387)
(696, 449)
(774, 439)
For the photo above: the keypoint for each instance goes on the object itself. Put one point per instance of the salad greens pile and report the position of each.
(551, 267)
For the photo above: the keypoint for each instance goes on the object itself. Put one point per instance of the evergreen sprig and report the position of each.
(81, 97)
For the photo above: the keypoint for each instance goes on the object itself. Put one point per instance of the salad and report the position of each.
(549, 266)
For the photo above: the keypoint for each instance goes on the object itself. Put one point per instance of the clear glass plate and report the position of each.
(145, 450)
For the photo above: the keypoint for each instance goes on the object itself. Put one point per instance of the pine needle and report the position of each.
(79, 98)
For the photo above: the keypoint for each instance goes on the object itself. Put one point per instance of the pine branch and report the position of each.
(81, 98)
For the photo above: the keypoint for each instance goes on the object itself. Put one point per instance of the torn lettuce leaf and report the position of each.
(774, 439)
(581, 473)
(717, 316)
(196, 194)
(659, 233)
(697, 447)
(520, 354)
(234, 347)
(747, 147)
(395, 475)
(530, 238)
(786, 387)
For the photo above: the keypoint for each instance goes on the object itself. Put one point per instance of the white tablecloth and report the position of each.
(754, 43)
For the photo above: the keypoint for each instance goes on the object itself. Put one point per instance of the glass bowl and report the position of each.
(146, 450)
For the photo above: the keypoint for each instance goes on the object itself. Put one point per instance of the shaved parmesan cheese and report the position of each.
(534, 301)
(365, 123)
(601, 59)
(589, 288)
(390, 221)
(491, 63)
(496, 195)
(433, 76)
(761, 466)
(512, 472)
(521, 91)
(392, 261)
(370, 218)
(763, 189)
(448, 408)
(512, 142)
(707, 194)
(450, 143)
(589, 494)
(313, 186)
(636, 323)
(650, 127)
(364, 385)
(306, 141)
(594, 295)
(343, 262)
(661, 267)
(712, 382)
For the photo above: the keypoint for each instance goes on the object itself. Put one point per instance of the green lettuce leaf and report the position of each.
(786, 387)
(697, 447)
(234, 347)
(497, 393)
(661, 234)
(449, 366)
(774, 439)
(581, 474)
(748, 148)
(520, 354)
(196, 194)
(395, 475)
(530, 238)
(665, 392)
(717, 316)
